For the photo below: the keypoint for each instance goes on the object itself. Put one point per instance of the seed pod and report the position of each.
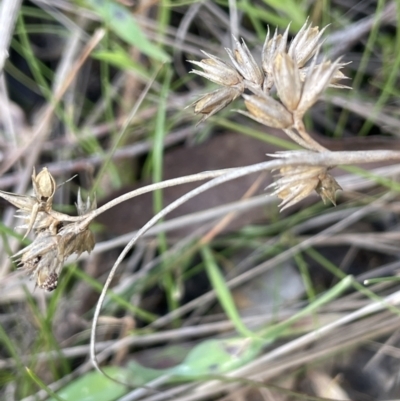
(297, 182)
(327, 188)
(287, 81)
(213, 102)
(317, 80)
(44, 186)
(271, 48)
(267, 111)
(305, 44)
(244, 62)
(217, 71)
(47, 280)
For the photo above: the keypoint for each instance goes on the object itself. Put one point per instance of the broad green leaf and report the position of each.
(94, 386)
(123, 24)
(218, 357)
(140, 375)
(209, 357)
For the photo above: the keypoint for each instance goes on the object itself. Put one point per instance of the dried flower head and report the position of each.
(318, 78)
(44, 186)
(267, 111)
(217, 71)
(271, 48)
(56, 237)
(297, 182)
(298, 85)
(244, 62)
(213, 102)
(305, 44)
(287, 80)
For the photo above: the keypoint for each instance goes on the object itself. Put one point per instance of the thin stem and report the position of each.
(303, 158)
(296, 138)
(87, 218)
(312, 143)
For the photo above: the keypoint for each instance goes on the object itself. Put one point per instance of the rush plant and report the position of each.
(277, 93)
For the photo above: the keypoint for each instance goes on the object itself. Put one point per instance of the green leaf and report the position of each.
(209, 357)
(119, 58)
(123, 24)
(218, 357)
(223, 293)
(94, 386)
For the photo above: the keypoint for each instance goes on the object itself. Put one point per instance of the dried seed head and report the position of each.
(267, 111)
(270, 49)
(337, 76)
(244, 62)
(217, 71)
(327, 188)
(56, 236)
(20, 201)
(44, 186)
(74, 239)
(317, 80)
(213, 102)
(297, 182)
(305, 44)
(43, 260)
(82, 207)
(47, 280)
(287, 80)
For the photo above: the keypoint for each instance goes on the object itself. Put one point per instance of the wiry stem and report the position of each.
(302, 158)
(296, 138)
(311, 143)
(325, 158)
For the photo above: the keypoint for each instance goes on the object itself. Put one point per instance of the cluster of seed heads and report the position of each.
(278, 93)
(57, 235)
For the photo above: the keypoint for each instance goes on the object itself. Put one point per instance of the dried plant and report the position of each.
(56, 237)
(298, 78)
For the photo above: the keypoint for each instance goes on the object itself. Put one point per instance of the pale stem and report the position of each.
(304, 158)
(312, 144)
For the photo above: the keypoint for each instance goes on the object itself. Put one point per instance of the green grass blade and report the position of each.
(43, 386)
(223, 293)
(122, 23)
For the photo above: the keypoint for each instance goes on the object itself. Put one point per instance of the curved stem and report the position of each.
(305, 158)
(88, 217)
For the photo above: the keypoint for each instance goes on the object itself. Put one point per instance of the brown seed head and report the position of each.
(244, 62)
(317, 80)
(217, 71)
(287, 80)
(56, 236)
(327, 188)
(267, 111)
(213, 102)
(305, 44)
(297, 182)
(44, 186)
(271, 48)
